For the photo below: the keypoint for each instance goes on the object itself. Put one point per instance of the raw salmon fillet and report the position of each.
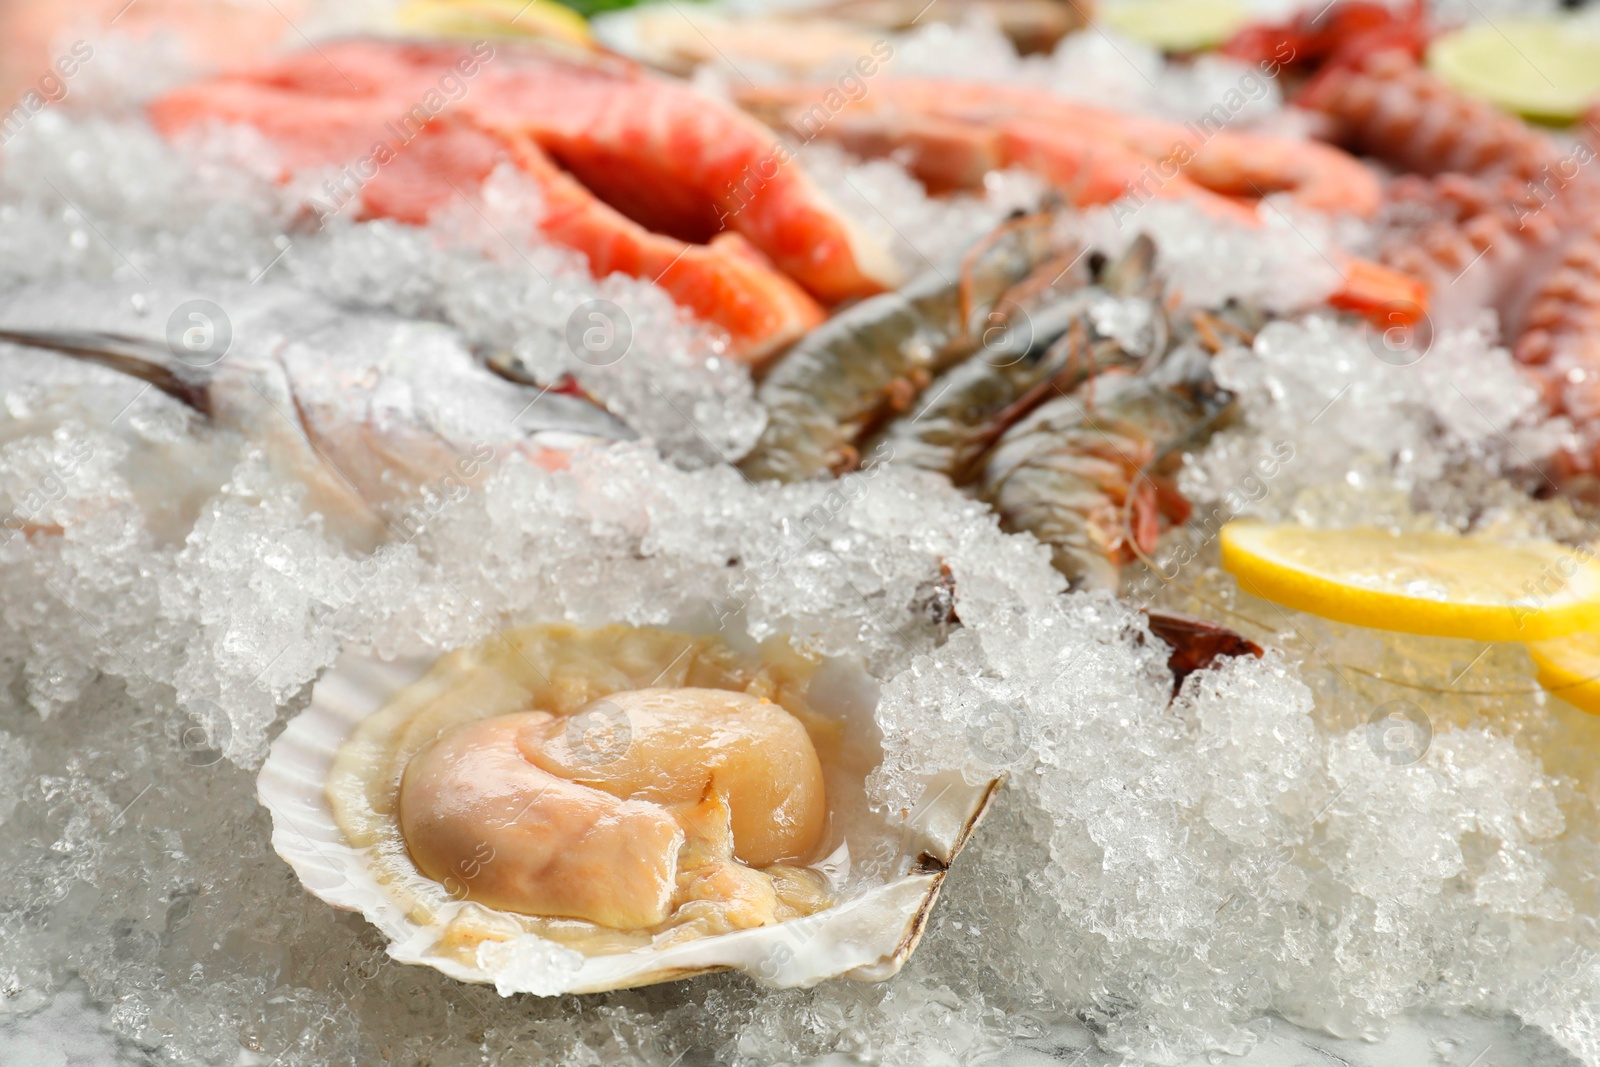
(642, 175)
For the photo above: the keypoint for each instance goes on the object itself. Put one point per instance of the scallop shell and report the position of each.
(867, 935)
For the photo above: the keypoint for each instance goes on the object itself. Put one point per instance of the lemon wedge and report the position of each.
(1420, 583)
(1544, 69)
(1569, 667)
(1177, 25)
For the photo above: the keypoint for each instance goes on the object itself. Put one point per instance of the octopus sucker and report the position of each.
(618, 805)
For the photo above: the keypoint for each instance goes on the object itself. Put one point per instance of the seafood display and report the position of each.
(1087, 499)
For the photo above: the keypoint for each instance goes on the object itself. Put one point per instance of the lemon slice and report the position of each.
(1570, 668)
(1177, 25)
(1419, 583)
(493, 18)
(1547, 70)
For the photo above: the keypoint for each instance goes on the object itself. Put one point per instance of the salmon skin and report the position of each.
(641, 174)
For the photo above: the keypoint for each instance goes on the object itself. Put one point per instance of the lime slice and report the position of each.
(1177, 25)
(1547, 69)
(1570, 668)
(1419, 583)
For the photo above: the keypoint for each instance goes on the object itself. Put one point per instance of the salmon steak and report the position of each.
(643, 175)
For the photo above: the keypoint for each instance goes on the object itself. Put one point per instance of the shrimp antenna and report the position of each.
(980, 247)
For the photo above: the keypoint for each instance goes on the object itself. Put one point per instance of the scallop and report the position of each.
(566, 810)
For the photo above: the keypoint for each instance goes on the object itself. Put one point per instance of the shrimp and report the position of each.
(1388, 107)
(1472, 239)
(1559, 342)
(837, 383)
(366, 411)
(974, 402)
(1088, 473)
(1031, 25)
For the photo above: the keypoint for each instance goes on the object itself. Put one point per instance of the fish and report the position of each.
(366, 411)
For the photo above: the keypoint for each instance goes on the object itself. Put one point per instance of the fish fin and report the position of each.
(562, 405)
(149, 361)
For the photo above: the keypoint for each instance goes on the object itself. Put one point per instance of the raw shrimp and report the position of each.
(1473, 240)
(1088, 474)
(950, 134)
(1559, 341)
(1031, 25)
(871, 360)
(366, 411)
(1387, 107)
(969, 406)
(955, 129)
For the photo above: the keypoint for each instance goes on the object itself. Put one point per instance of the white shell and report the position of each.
(868, 935)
